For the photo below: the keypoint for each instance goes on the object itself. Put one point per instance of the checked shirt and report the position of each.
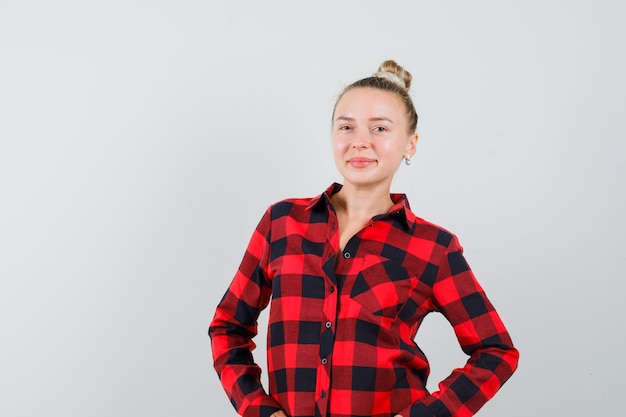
(340, 341)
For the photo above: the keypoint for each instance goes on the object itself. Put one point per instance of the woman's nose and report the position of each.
(360, 144)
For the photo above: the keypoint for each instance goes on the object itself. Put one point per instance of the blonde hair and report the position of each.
(393, 78)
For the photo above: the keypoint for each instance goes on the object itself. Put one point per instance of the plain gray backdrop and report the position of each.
(140, 143)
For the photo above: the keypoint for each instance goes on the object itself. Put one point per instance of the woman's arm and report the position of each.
(235, 325)
(481, 334)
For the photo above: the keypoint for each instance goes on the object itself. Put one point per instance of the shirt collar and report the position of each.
(323, 199)
(400, 209)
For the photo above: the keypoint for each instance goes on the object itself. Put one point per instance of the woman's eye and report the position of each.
(380, 129)
(344, 127)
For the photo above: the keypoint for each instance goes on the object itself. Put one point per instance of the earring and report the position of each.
(407, 160)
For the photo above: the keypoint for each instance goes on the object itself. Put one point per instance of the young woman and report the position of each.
(351, 274)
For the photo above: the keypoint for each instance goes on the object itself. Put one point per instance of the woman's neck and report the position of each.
(362, 202)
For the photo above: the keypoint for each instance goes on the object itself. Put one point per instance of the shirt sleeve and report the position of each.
(482, 336)
(234, 325)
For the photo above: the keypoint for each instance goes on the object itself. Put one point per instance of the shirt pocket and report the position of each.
(382, 286)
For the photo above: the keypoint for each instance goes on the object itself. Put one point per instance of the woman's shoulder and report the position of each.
(290, 206)
(430, 230)
(293, 201)
(420, 221)
(293, 207)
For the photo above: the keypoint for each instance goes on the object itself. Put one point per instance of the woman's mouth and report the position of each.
(360, 162)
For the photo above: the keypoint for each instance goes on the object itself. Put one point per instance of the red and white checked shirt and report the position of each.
(341, 326)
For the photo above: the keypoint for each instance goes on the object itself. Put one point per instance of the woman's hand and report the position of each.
(281, 413)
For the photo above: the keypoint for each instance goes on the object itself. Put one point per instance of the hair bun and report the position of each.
(393, 72)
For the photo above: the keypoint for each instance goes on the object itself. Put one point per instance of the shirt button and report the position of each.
(322, 394)
(332, 289)
(346, 255)
(328, 324)
(324, 361)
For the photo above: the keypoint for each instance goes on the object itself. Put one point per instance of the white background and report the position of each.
(140, 142)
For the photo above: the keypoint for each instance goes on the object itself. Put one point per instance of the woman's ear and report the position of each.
(411, 146)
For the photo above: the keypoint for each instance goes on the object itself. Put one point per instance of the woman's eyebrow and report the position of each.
(380, 119)
(371, 119)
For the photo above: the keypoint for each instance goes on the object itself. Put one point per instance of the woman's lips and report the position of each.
(361, 162)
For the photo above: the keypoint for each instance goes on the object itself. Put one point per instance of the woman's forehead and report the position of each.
(369, 103)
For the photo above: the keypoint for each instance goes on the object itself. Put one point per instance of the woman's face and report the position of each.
(370, 136)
